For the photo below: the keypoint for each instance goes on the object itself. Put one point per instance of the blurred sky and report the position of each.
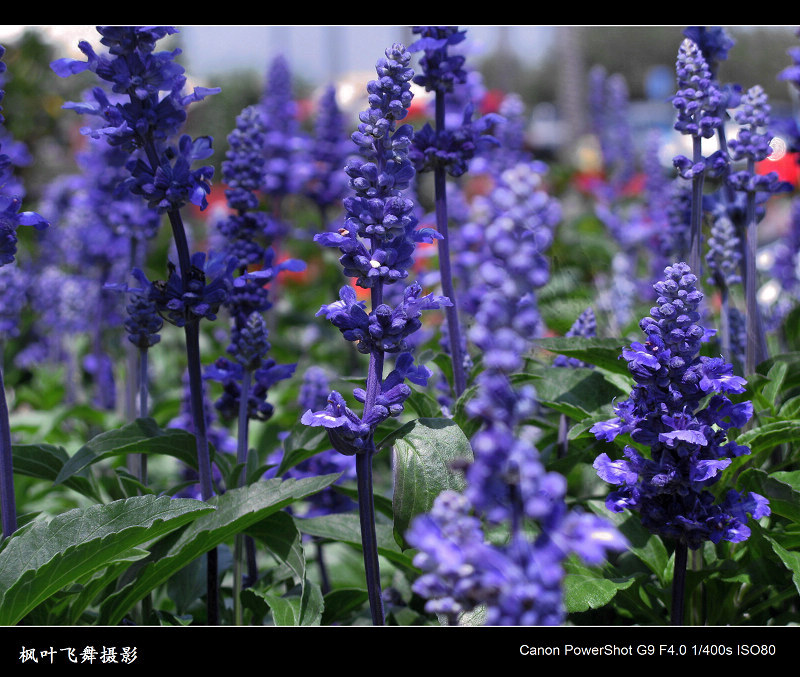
(320, 53)
(317, 53)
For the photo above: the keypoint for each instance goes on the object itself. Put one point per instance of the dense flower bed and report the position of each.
(384, 370)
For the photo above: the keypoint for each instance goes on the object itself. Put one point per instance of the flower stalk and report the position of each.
(377, 242)
(164, 178)
(10, 219)
(451, 312)
(8, 502)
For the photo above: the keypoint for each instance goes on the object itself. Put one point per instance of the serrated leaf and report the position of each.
(236, 510)
(44, 557)
(425, 454)
(99, 582)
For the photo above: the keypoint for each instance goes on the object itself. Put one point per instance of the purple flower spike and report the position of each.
(688, 446)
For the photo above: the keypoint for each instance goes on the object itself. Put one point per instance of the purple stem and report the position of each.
(194, 366)
(451, 312)
(369, 541)
(143, 408)
(366, 499)
(241, 458)
(697, 210)
(756, 345)
(7, 498)
(679, 583)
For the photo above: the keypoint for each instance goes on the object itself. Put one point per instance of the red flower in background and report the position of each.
(786, 165)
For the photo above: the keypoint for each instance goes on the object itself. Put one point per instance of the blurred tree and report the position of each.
(757, 57)
(32, 104)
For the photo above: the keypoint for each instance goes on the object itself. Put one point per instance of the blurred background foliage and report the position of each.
(644, 55)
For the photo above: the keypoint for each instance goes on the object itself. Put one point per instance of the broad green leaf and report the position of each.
(279, 533)
(469, 424)
(236, 510)
(44, 557)
(425, 454)
(772, 389)
(302, 442)
(783, 498)
(791, 377)
(586, 588)
(648, 547)
(101, 579)
(45, 461)
(790, 408)
(142, 436)
(791, 559)
(300, 607)
(770, 435)
(342, 602)
(424, 405)
(577, 392)
(790, 477)
(602, 352)
(346, 528)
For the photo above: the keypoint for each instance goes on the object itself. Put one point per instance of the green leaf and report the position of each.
(469, 424)
(45, 461)
(648, 547)
(790, 559)
(103, 578)
(304, 605)
(425, 454)
(790, 408)
(602, 352)
(279, 533)
(142, 436)
(790, 477)
(341, 603)
(783, 498)
(578, 393)
(41, 559)
(770, 435)
(424, 405)
(772, 389)
(586, 588)
(236, 510)
(346, 528)
(302, 442)
(300, 607)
